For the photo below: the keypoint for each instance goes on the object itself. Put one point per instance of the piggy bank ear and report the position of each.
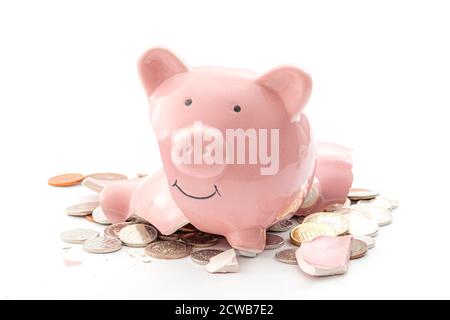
(156, 66)
(292, 85)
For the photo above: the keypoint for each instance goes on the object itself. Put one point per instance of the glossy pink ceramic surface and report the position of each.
(231, 199)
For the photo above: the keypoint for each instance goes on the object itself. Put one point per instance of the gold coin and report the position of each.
(337, 221)
(309, 231)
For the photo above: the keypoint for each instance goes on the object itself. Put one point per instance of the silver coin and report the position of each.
(101, 176)
(356, 194)
(199, 239)
(202, 256)
(78, 235)
(273, 241)
(113, 230)
(360, 225)
(107, 176)
(368, 240)
(379, 215)
(168, 250)
(82, 209)
(358, 249)
(287, 256)
(102, 245)
(281, 226)
(170, 237)
(311, 198)
(385, 203)
(138, 235)
(99, 216)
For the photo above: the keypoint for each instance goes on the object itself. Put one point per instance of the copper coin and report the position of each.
(66, 180)
(273, 241)
(287, 256)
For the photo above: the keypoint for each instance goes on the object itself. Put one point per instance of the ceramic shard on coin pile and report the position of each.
(325, 255)
(223, 262)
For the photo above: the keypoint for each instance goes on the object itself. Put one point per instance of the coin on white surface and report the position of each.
(356, 194)
(81, 209)
(287, 256)
(377, 214)
(138, 235)
(358, 248)
(368, 240)
(91, 184)
(99, 216)
(102, 245)
(113, 230)
(107, 176)
(273, 241)
(360, 225)
(385, 203)
(78, 235)
(168, 250)
(203, 256)
(281, 226)
(335, 220)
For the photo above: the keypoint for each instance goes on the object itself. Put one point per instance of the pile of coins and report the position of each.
(360, 217)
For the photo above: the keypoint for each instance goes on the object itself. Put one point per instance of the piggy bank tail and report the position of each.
(332, 181)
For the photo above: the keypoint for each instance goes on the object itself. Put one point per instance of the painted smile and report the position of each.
(197, 197)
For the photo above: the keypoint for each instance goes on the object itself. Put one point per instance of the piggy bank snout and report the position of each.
(198, 151)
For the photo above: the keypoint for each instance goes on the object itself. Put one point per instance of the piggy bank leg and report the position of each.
(333, 179)
(248, 242)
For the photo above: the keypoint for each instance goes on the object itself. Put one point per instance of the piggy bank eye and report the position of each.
(188, 102)
(237, 108)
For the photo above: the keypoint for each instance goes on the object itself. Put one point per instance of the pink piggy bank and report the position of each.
(238, 153)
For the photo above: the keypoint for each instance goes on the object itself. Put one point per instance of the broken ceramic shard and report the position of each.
(325, 256)
(223, 262)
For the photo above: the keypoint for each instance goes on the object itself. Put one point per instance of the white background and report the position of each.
(71, 101)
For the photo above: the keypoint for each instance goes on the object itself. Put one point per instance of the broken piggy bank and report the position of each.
(238, 153)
